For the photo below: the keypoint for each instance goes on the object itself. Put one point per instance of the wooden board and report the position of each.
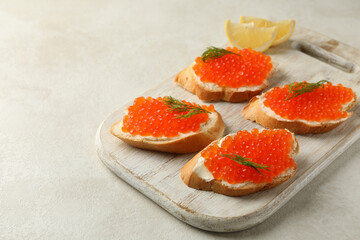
(307, 56)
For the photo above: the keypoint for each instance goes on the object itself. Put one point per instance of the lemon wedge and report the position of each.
(247, 35)
(285, 28)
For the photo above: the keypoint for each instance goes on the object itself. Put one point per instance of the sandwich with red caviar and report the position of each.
(302, 107)
(169, 125)
(243, 163)
(229, 74)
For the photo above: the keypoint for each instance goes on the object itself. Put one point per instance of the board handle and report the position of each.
(325, 56)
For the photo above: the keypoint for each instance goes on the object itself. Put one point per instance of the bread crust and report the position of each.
(190, 143)
(193, 180)
(253, 112)
(188, 80)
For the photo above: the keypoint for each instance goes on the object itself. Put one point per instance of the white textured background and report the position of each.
(64, 66)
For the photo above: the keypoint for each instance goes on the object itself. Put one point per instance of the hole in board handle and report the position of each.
(325, 56)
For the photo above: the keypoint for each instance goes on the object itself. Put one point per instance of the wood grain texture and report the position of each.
(157, 175)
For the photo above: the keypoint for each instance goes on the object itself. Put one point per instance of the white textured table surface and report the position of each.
(65, 66)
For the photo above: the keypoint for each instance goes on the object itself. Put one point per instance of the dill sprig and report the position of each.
(214, 52)
(176, 105)
(246, 162)
(297, 89)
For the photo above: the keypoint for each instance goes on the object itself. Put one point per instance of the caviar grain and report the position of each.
(251, 68)
(323, 104)
(151, 117)
(267, 147)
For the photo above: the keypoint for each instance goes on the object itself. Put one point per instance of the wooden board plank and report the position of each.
(308, 56)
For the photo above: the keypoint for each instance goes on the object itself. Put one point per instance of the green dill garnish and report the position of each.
(297, 89)
(246, 162)
(214, 52)
(176, 105)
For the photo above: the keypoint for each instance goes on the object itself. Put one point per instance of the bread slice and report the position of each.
(213, 92)
(195, 175)
(185, 143)
(256, 111)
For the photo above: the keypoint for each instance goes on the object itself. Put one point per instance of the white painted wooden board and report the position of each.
(157, 175)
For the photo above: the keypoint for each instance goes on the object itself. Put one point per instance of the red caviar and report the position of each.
(249, 69)
(322, 104)
(268, 147)
(151, 117)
